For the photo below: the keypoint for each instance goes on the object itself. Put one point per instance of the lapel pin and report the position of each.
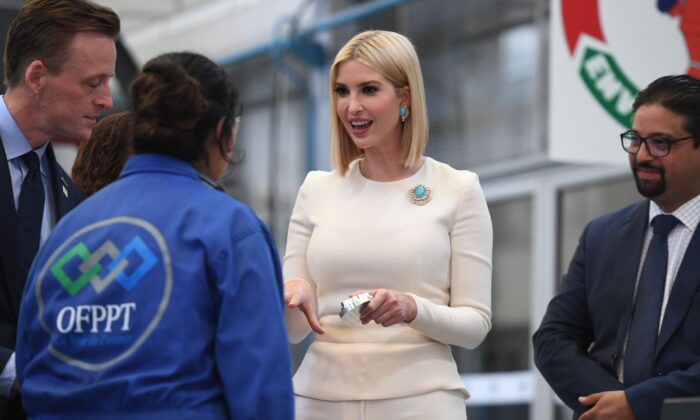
(420, 194)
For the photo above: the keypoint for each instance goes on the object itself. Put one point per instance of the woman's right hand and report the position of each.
(298, 294)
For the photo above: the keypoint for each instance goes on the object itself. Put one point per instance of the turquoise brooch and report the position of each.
(420, 195)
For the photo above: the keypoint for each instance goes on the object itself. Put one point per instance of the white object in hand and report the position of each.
(350, 307)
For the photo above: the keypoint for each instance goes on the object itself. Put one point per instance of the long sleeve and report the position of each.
(562, 341)
(300, 229)
(252, 354)
(646, 398)
(467, 319)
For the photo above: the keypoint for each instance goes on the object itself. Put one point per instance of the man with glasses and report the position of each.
(623, 332)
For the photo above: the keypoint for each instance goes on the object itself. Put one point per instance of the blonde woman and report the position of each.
(412, 232)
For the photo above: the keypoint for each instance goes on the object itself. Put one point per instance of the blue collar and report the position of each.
(164, 164)
(158, 163)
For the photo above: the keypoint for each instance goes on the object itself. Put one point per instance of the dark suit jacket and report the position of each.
(11, 287)
(583, 330)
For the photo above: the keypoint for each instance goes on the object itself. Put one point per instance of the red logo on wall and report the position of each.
(598, 68)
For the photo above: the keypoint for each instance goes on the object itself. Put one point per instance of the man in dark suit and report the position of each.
(59, 57)
(622, 333)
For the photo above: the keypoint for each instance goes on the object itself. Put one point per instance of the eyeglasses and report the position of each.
(657, 146)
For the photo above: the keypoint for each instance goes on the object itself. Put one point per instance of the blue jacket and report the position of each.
(159, 297)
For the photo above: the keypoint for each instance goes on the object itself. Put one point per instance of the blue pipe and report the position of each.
(279, 43)
(350, 15)
(309, 110)
(339, 19)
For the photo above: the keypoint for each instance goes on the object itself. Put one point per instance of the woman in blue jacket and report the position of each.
(160, 296)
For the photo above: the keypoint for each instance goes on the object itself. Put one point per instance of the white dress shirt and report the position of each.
(678, 239)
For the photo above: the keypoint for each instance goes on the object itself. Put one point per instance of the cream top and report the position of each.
(351, 233)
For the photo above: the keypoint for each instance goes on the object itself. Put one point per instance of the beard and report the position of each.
(647, 188)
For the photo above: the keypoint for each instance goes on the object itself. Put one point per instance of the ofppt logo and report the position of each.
(599, 66)
(104, 291)
(91, 267)
(599, 70)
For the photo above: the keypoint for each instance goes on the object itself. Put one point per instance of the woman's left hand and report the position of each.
(388, 307)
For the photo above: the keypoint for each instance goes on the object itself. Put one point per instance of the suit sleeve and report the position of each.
(646, 398)
(252, 353)
(467, 319)
(562, 341)
(295, 267)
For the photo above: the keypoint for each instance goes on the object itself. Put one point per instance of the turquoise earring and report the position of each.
(403, 113)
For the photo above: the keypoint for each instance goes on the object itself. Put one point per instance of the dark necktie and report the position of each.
(30, 214)
(641, 345)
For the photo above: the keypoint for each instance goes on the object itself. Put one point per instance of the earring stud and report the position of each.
(403, 113)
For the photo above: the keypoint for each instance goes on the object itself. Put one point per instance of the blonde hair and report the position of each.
(394, 57)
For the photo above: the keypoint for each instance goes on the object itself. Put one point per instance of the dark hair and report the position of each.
(101, 157)
(680, 94)
(178, 100)
(43, 30)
